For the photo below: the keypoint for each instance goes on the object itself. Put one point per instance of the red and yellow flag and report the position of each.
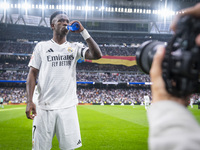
(115, 60)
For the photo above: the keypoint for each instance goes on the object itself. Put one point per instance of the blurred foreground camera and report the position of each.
(181, 64)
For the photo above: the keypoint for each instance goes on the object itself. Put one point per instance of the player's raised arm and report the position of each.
(94, 51)
(30, 86)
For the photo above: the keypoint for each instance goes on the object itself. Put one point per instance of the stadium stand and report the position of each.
(15, 32)
(118, 34)
(15, 55)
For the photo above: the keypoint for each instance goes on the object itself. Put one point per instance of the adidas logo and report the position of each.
(79, 142)
(50, 50)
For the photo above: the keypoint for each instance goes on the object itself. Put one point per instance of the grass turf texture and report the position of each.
(102, 128)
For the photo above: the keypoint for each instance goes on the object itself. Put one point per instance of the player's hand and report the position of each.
(158, 89)
(30, 110)
(81, 26)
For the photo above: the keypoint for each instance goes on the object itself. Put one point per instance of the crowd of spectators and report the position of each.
(17, 69)
(90, 95)
(105, 67)
(84, 76)
(85, 95)
(111, 77)
(118, 50)
(13, 95)
(16, 47)
(95, 95)
(14, 75)
(15, 66)
(27, 48)
(80, 67)
(39, 33)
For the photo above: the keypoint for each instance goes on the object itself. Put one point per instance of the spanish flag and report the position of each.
(115, 60)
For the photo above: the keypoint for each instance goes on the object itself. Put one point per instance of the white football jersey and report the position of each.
(191, 100)
(146, 99)
(57, 73)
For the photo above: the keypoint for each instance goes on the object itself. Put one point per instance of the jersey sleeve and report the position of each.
(172, 127)
(81, 51)
(35, 60)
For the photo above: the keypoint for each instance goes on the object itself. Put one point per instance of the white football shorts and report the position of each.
(62, 122)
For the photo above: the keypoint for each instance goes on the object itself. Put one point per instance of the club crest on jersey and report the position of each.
(70, 49)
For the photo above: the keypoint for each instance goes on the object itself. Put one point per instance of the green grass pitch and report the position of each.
(102, 128)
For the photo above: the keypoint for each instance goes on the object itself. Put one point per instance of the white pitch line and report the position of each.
(11, 109)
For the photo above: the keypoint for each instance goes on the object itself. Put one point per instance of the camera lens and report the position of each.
(145, 54)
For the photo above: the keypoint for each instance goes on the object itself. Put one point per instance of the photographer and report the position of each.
(171, 125)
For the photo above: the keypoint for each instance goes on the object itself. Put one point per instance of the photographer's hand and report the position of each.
(193, 11)
(158, 89)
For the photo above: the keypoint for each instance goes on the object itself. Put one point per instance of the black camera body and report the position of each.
(181, 64)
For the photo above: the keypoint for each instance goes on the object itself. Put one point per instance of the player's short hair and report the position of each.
(55, 14)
